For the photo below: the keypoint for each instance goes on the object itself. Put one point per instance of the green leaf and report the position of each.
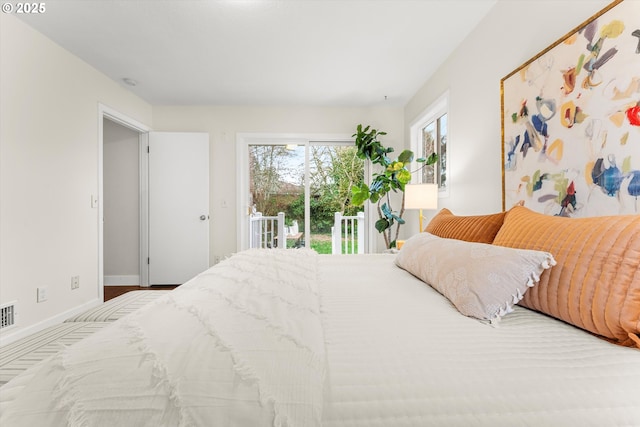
(406, 156)
(403, 176)
(394, 166)
(432, 159)
(382, 224)
(359, 194)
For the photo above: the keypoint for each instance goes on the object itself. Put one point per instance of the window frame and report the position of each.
(429, 115)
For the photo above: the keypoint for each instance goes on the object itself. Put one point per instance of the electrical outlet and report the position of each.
(216, 259)
(41, 294)
(75, 282)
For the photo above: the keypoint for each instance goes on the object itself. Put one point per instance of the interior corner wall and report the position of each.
(223, 123)
(510, 34)
(49, 172)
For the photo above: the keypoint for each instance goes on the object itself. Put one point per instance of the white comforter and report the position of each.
(244, 345)
(240, 345)
(399, 354)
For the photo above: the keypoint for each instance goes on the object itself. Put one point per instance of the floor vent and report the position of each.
(7, 315)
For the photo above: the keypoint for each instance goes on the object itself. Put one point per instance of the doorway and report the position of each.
(121, 200)
(114, 118)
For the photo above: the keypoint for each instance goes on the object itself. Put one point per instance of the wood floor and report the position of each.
(114, 291)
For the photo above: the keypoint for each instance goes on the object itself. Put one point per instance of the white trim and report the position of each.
(437, 108)
(122, 119)
(143, 157)
(131, 280)
(243, 140)
(307, 197)
(6, 338)
(440, 104)
(107, 112)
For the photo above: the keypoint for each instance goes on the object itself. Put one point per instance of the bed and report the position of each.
(291, 338)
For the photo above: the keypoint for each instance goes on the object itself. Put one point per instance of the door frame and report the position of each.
(244, 140)
(106, 112)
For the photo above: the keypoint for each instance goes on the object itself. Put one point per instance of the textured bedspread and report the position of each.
(399, 354)
(291, 338)
(240, 345)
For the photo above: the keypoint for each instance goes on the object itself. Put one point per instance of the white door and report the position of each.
(178, 206)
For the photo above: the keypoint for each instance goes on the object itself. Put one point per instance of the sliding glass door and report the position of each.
(309, 182)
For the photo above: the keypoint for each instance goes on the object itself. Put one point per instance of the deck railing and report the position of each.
(347, 234)
(264, 231)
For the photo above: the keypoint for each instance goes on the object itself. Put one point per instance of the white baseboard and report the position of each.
(7, 338)
(133, 280)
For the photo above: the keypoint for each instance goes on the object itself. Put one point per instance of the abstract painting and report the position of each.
(571, 121)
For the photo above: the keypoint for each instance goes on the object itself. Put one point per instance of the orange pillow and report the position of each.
(479, 228)
(595, 284)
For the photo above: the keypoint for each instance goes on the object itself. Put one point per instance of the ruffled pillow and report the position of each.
(482, 280)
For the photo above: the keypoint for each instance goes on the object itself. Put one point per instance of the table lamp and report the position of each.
(421, 196)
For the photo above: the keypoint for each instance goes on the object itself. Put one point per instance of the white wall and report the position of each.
(511, 33)
(48, 173)
(121, 202)
(223, 123)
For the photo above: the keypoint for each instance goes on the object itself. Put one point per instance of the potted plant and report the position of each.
(394, 176)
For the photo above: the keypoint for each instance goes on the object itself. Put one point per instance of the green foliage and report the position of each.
(394, 176)
(359, 194)
(333, 170)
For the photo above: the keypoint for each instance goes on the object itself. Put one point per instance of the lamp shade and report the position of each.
(421, 196)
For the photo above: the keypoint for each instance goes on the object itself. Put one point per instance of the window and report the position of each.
(429, 134)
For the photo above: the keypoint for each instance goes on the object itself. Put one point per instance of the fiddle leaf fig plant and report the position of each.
(393, 176)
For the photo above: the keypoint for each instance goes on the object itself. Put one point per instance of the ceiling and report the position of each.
(264, 52)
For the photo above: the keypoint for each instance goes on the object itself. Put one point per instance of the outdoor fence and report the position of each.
(264, 231)
(347, 234)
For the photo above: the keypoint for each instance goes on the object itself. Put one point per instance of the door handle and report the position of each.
(203, 217)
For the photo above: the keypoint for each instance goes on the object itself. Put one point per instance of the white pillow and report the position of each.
(482, 280)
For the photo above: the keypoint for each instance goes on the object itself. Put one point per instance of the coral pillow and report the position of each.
(481, 280)
(596, 282)
(479, 228)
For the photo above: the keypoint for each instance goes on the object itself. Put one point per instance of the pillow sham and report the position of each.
(596, 284)
(483, 281)
(477, 228)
